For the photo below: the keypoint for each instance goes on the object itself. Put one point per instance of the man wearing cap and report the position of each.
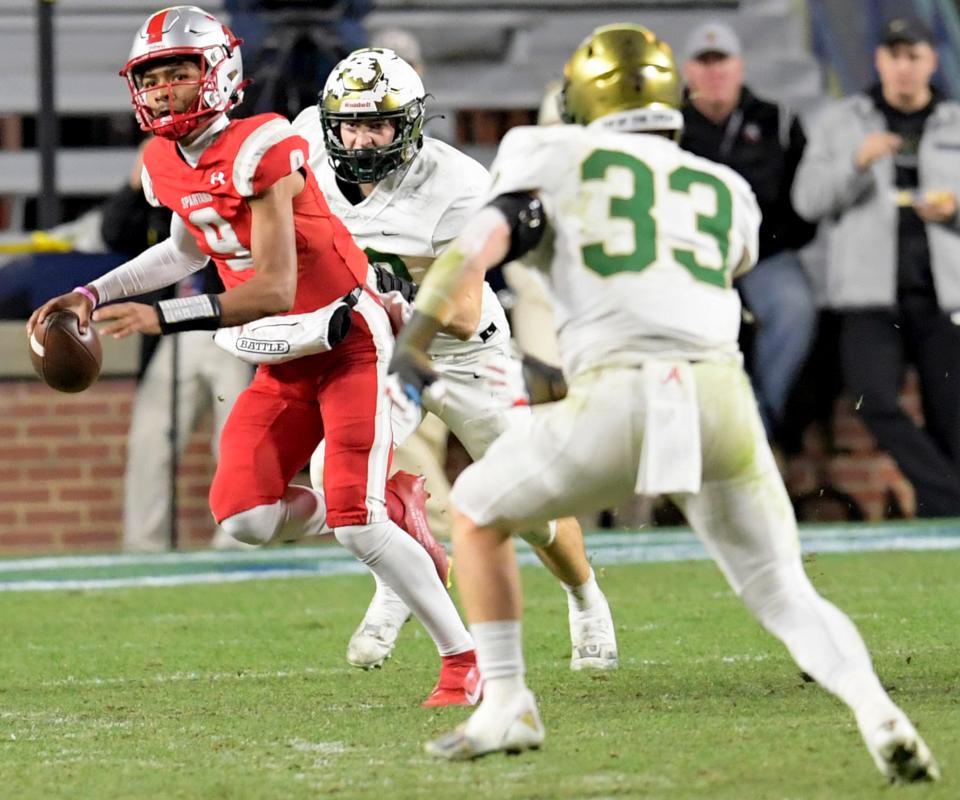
(883, 171)
(725, 122)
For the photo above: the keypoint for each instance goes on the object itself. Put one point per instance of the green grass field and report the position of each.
(242, 691)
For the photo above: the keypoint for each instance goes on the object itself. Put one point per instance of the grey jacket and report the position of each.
(859, 208)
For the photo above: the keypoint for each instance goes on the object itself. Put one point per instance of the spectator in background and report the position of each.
(725, 122)
(208, 378)
(292, 45)
(403, 43)
(883, 171)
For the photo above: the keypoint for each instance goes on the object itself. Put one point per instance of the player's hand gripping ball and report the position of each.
(66, 359)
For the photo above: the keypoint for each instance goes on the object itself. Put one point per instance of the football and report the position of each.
(66, 359)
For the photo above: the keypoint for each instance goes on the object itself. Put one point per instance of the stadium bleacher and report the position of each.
(486, 55)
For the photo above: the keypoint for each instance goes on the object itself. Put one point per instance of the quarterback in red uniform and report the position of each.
(242, 194)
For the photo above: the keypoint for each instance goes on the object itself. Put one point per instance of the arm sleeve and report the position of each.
(269, 153)
(161, 265)
(828, 181)
(524, 214)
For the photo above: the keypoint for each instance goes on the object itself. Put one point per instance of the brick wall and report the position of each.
(62, 459)
(856, 467)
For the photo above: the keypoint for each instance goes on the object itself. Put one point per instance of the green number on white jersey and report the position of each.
(394, 262)
(637, 208)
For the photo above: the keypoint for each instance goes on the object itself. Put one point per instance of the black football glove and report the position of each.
(413, 373)
(388, 282)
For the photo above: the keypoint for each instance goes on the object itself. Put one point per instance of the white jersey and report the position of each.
(411, 217)
(642, 243)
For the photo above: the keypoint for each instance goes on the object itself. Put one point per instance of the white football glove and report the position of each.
(398, 309)
(406, 412)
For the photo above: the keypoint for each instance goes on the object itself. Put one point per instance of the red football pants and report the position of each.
(279, 420)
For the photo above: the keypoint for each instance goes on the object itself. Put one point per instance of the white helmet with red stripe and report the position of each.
(191, 33)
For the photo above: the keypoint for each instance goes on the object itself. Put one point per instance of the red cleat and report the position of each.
(459, 684)
(406, 506)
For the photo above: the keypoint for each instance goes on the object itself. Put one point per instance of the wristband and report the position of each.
(200, 312)
(86, 293)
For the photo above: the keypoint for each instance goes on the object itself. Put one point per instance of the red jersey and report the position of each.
(247, 157)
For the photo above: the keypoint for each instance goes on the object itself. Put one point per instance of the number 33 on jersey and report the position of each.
(644, 238)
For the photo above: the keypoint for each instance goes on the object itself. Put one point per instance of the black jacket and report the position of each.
(764, 143)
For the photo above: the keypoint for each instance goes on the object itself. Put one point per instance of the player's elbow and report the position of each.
(464, 324)
(279, 296)
(279, 303)
(461, 330)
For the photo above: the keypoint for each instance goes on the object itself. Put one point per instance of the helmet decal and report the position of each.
(155, 27)
(188, 33)
(372, 84)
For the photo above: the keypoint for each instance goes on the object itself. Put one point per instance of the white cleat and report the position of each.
(510, 729)
(899, 752)
(373, 641)
(594, 640)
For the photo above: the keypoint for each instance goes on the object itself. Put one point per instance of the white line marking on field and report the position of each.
(74, 584)
(264, 555)
(301, 562)
(176, 677)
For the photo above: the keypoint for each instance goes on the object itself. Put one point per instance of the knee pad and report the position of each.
(316, 466)
(257, 525)
(366, 542)
(541, 536)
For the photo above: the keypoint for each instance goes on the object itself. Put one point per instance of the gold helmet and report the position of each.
(373, 84)
(623, 74)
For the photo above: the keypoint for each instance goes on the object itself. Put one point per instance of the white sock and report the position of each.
(585, 596)
(406, 568)
(500, 657)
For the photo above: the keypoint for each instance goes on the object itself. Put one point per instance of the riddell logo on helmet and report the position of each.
(358, 105)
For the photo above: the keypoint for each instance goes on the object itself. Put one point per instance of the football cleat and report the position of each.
(409, 511)
(375, 638)
(512, 729)
(459, 683)
(899, 752)
(594, 640)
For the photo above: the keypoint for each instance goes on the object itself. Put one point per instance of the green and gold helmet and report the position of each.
(625, 76)
(372, 84)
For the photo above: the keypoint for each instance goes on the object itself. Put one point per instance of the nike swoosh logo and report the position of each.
(389, 233)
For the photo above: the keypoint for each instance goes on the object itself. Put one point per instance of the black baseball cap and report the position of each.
(905, 30)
